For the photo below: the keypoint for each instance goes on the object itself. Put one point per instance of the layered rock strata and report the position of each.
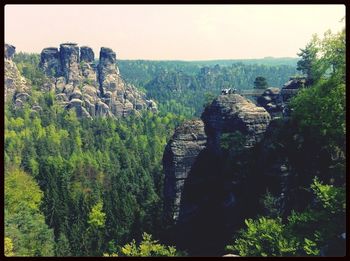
(271, 100)
(92, 90)
(197, 143)
(15, 85)
(180, 154)
(232, 112)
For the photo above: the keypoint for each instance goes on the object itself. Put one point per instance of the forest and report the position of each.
(183, 87)
(81, 187)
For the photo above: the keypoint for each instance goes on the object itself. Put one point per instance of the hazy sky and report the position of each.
(182, 32)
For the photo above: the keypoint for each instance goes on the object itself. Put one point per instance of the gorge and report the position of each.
(110, 162)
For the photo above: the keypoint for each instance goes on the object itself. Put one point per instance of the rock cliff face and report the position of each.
(201, 199)
(50, 61)
(86, 54)
(92, 90)
(69, 58)
(231, 112)
(291, 88)
(196, 144)
(271, 100)
(9, 51)
(180, 154)
(15, 85)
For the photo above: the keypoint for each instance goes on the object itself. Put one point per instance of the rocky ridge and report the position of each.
(93, 90)
(180, 154)
(226, 114)
(199, 196)
(16, 86)
(213, 183)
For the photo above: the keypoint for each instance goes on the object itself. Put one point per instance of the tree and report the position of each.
(62, 247)
(260, 83)
(147, 248)
(320, 110)
(97, 218)
(308, 61)
(8, 247)
(304, 233)
(263, 237)
(24, 222)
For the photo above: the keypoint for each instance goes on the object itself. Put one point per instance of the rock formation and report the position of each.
(271, 100)
(87, 54)
(291, 88)
(204, 202)
(70, 59)
(276, 100)
(9, 51)
(15, 85)
(49, 61)
(91, 90)
(230, 113)
(180, 154)
(198, 143)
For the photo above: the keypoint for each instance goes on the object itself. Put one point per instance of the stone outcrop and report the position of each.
(204, 200)
(50, 61)
(180, 154)
(87, 54)
(292, 87)
(70, 59)
(99, 88)
(276, 100)
(271, 100)
(9, 51)
(15, 85)
(197, 143)
(232, 112)
(108, 74)
(71, 72)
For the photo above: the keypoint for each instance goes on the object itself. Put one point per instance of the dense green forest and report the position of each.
(81, 187)
(183, 87)
(96, 182)
(140, 72)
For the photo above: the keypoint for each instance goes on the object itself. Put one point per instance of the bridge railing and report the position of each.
(250, 92)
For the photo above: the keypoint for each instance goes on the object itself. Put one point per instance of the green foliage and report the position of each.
(181, 87)
(304, 233)
(24, 222)
(209, 97)
(233, 142)
(260, 83)
(315, 138)
(97, 218)
(101, 180)
(319, 111)
(322, 112)
(331, 197)
(8, 247)
(147, 248)
(308, 62)
(62, 247)
(264, 237)
(271, 205)
(28, 65)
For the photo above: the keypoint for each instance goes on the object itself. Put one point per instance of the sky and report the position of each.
(173, 32)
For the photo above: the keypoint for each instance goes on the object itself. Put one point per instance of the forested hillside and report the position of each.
(183, 87)
(95, 186)
(98, 182)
